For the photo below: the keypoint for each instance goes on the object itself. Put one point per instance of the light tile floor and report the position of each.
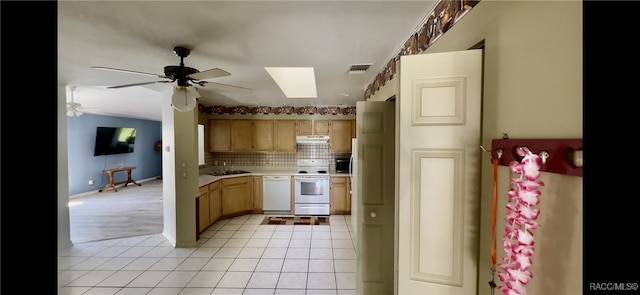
(233, 256)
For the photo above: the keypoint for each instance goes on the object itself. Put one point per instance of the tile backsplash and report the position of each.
(319, 151)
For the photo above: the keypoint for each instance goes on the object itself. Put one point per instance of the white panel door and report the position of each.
(439, 172)
(375, 189)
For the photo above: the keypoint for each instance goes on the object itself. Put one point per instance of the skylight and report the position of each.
(295, 82)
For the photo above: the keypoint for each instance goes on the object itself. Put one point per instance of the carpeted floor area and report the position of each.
(296, 220)
(131, 211)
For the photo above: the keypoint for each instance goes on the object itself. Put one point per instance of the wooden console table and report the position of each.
(113, 184)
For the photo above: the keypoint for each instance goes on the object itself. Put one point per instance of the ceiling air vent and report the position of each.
(358, 69)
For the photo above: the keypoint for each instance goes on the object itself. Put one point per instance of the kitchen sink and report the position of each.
(230, 172)
(235, 172)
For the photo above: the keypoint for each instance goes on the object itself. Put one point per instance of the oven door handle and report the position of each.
(301, 178)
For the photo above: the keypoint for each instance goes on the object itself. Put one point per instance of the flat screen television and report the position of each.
(114, 140)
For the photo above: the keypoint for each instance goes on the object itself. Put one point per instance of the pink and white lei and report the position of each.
(521, 221)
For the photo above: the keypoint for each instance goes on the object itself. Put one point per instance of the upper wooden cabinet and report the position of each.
(304, 127)
(248, 135)
(263, 135)
(340, 135)
(312, 127)
(241, 135)
(284, 132)
(251, 135)
(353, 129)
(219, 135)
(321, 127)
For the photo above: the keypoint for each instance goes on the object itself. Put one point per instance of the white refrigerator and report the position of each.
(354, 193)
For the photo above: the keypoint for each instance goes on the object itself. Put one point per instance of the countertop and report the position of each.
(205, 178)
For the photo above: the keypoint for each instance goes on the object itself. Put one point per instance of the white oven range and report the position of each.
(312, 187)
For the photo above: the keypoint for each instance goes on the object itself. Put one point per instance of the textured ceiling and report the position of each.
(241, 37)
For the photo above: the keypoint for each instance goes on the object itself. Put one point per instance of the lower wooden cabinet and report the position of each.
(208, 207)
(256, 196)
(236, 195)
(340, 202)
(215, 208)
(226, 198)
(202, 209)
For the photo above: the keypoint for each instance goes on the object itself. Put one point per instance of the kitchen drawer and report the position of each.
(312, 209)
(214, 186)
(235, 180)
(338, 179)
(204, 189)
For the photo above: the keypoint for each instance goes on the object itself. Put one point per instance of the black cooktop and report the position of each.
(319, 172)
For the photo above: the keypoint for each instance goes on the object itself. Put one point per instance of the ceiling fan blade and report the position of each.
(128, 71)
(138, 84)
(222, 86)
(209, 74)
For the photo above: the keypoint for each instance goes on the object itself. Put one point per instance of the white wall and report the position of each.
(64, 229)
(186, 176)
(179, 173)
(532, 89)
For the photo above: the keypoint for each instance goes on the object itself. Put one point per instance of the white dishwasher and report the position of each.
(276, 194)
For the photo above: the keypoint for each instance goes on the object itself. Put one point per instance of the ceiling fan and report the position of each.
(183, 75)
(73, 108)
(76, 109)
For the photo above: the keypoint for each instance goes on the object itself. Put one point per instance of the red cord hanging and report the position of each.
(494, 214)
(495, 211)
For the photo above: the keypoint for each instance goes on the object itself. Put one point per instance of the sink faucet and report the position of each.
(224, 166)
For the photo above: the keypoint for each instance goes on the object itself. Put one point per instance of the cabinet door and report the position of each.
(203, 210)
(304, 127)
(340, 137)
(219, 135)
(214, 202)
(241, 135)
(235, 195)
(263, 135)
(353, 128)
(320, 127)
(338, 201)
(285, 135)
(257, 194)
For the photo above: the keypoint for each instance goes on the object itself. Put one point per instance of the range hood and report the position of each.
(312, 139)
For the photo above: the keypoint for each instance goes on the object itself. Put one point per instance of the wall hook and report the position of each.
(544, 156)
(498, 152)
(561, 156)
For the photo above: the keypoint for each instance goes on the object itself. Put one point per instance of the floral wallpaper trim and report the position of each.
(307, 110)
(443, 16)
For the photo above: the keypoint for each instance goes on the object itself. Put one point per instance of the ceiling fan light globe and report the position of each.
(183, 98)
(72, 112)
